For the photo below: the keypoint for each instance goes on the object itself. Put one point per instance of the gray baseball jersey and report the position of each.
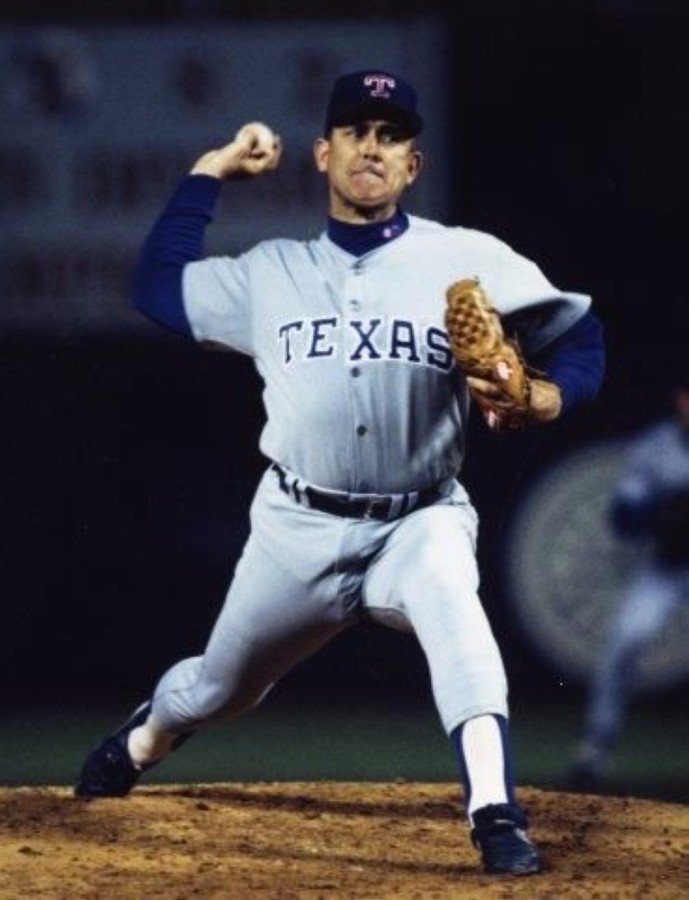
(355, 349)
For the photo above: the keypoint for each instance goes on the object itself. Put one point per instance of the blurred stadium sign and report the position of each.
(99, 122)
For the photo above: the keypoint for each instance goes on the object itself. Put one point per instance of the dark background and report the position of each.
(129, 465)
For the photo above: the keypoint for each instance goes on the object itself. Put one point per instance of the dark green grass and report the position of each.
(342, 742)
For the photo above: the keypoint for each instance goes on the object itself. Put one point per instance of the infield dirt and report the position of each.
(326, 840)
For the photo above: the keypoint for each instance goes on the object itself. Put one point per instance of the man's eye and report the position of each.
(390, 136)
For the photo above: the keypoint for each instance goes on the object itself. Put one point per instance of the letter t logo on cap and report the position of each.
(382, 85)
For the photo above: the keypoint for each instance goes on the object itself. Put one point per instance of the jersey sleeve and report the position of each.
(217, 301)
(537, 310)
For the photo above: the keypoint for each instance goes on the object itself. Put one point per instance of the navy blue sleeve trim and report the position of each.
(175, 240)
(575, 361)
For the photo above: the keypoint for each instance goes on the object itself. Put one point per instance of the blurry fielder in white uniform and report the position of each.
(359, 513)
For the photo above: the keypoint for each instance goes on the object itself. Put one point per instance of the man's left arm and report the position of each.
(559, 336)
(575, 361)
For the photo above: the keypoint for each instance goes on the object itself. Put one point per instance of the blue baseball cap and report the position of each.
(373, 94)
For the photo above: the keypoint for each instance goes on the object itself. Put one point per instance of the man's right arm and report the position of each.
(176, 239)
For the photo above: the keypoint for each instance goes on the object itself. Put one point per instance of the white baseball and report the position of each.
(262, 135)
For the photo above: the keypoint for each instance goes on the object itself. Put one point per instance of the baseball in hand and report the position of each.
(263, 138)
(254, 149)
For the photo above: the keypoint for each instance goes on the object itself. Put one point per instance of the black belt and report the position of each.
(380, 507)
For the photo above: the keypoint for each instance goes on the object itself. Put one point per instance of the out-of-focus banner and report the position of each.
(100, 122)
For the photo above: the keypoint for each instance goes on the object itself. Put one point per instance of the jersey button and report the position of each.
(354, 304)
(356, 371)
(361, 430)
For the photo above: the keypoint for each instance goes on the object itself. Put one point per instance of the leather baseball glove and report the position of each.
(498, 378)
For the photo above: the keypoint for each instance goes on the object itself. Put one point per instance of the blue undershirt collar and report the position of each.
(360, 239)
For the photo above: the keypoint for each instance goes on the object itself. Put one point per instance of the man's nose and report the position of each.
(369, 144)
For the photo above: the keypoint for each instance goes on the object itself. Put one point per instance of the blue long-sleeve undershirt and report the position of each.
(175, 240)
(575, 361)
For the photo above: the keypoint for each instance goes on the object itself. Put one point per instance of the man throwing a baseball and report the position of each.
(360, 513)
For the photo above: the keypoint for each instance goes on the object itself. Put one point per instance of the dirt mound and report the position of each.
(326, 839)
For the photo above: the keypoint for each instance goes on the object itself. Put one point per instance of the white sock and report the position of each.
(484, 757)
(149, 743)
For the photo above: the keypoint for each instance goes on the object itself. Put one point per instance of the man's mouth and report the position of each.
(366, 171)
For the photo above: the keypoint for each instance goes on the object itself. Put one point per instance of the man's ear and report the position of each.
(321, 152)
(414, 165)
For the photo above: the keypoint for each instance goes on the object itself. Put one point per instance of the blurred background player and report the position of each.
(650, 505)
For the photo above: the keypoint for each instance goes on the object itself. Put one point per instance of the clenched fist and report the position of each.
(253, 150)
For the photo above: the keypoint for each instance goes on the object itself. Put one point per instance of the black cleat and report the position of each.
(108, 770)
(499, 833)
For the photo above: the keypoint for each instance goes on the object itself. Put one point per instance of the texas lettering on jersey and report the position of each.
(363, 340)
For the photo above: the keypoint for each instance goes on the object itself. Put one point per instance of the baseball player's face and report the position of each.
(369, 165)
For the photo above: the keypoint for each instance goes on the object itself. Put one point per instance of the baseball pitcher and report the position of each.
(358, 337)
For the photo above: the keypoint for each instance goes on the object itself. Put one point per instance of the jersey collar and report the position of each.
(361, 239)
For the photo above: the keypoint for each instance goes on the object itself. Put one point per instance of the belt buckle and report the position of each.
(383, 503)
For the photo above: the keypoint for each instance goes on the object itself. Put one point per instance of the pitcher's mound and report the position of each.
(326, 839)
